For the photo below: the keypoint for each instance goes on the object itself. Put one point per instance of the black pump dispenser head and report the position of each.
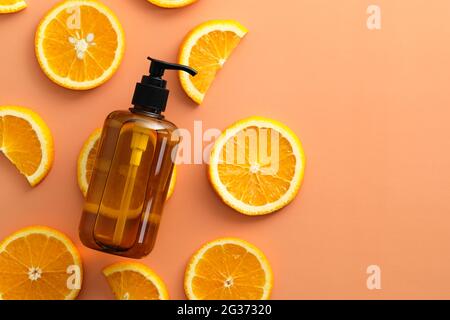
(151, 94)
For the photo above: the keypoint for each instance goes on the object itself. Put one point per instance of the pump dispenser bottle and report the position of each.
(132, 171)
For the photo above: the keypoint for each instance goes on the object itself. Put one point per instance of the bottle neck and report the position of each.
(146, 112)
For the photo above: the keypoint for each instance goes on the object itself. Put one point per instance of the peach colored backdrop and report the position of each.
(371, 107)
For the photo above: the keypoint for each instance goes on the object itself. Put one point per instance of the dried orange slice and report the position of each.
(26, 141)
(79, 44)
(206, 49)
(86, 161)
(9, 6)
(172, 3)
(228, 269)
(135, 281)
(39, 263)
(257, 166)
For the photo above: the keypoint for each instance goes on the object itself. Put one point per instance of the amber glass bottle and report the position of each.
(132, 172)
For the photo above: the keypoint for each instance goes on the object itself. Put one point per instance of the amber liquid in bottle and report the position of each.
(129, 184)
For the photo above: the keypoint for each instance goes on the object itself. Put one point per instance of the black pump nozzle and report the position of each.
(157, 68)
(151, 94)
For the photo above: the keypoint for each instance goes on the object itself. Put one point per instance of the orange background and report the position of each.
(371, 108)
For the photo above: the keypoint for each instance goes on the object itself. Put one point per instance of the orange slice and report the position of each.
(86, 161)
(80, 44)
(172, 3)
(173, 181)
(135, 281)
(26, 141)
(257, 166)
(206, 49)
(39, 263)
(9, 6)
(228, 269)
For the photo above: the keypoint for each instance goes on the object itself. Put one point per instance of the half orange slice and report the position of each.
(206, 49)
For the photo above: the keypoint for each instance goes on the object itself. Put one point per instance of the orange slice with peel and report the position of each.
(173, 181)
(26, 141)
(39, 263)
(257, 166)
(228, 269)
(172, 3)
(86, 160)
(10, 6)
(206, 49)
(135, 281)
(79, 44)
